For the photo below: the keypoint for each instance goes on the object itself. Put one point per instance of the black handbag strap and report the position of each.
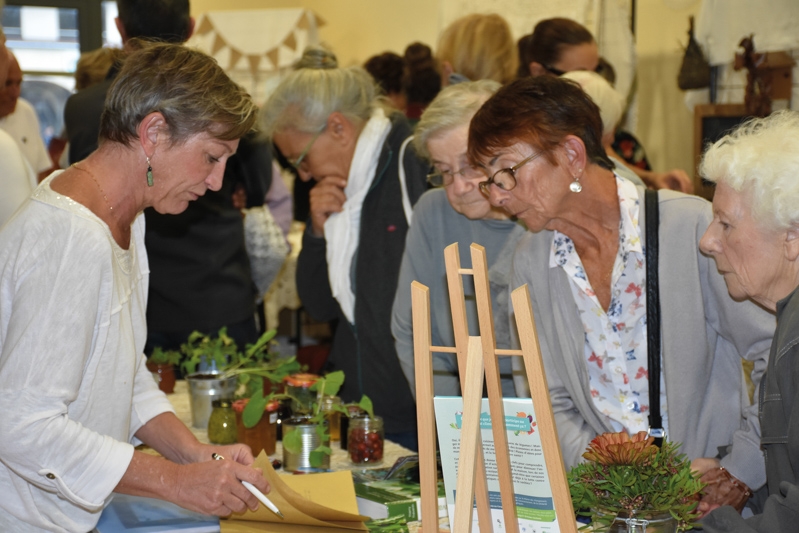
(653, 315)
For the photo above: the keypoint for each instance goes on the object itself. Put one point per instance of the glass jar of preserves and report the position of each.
(365, 438)
(333, 416)
(222, 423)
(263, 435)
(298, 386)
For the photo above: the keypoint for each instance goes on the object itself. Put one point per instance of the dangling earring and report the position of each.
(575, 186)
(149, 173)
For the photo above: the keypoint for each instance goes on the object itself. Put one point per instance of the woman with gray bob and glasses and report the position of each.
(334, 127)
(75, 393)
(754, 238)
(460, 213)
(584, 261)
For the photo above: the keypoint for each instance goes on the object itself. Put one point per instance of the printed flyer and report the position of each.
(534, 505)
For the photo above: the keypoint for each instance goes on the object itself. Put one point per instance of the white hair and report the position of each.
(761, 157)
(454, 106)
(609, 101)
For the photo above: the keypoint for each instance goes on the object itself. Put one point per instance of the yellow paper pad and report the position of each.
(310, 503)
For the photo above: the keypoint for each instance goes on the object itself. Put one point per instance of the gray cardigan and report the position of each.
(704, 336)
(435, 226)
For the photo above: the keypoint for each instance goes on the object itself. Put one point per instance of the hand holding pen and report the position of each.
(255, 492)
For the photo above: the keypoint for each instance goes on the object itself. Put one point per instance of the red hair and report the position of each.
(541, 112)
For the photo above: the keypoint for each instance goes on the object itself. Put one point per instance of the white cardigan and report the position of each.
(704, 336)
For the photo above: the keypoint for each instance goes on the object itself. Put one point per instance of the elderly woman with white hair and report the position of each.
(754, 238)
(458, 212)
(333, 127)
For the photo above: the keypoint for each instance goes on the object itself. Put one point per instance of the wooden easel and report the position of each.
(476, 355)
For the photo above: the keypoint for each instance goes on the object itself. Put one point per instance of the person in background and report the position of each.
(163, 20)
(18, 119)
(524, 48)
(421, 80)
(477, 47)
(200, 273)
(560, 45)
(16, 175)
(460, 213)
(611, 107)
(387, 69)
(754, 239)
(330, 124)
(584, 261)
(93, 67)
(75, 393)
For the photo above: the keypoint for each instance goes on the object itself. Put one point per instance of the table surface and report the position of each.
(339, 460)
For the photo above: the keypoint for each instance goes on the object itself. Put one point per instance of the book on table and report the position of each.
(532, 493)
(399, 495)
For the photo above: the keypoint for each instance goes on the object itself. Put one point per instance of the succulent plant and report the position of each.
(630, 476)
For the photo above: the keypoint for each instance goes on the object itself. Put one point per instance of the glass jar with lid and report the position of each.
(298, 386)
(263, 435)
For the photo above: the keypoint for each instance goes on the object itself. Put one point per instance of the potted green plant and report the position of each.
(249, 370)
(162, 365)
(313, 425)
(629, 482)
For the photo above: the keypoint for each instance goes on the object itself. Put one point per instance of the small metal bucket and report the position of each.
(301, 462)
(204, 388)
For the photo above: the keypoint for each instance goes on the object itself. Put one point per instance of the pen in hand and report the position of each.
(255, 492)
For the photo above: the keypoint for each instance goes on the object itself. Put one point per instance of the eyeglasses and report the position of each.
(439, 178)
(296, 164)
(505, 178)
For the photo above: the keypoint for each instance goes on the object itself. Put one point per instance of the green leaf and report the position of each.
(317, 457)
(254, 410)
(333, 382)
(366, 405)
(292, 441)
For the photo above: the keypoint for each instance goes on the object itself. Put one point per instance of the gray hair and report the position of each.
(454, 106)
(186, 86)
(609, 101)
(306, 97)
(761, 157)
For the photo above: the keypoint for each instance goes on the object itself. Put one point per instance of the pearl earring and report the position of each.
(576, 186)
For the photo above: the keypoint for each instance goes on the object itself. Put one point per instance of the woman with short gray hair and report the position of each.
(333, 127)
(74, 389)
(457, 212)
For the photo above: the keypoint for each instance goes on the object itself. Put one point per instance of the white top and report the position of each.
(15, 177)
(74, 388)
(23, 126)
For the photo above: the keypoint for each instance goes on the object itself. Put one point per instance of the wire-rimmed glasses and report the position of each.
(439, 178)
(296, 164)
(505, 178)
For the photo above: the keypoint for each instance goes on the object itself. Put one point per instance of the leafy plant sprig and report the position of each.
(631, 476)
(164, 357)
(327, 385)
(251, 366)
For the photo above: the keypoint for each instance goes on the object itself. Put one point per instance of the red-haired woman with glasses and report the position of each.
(539, 141)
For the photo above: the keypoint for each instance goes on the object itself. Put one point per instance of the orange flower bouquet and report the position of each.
(628, 479)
